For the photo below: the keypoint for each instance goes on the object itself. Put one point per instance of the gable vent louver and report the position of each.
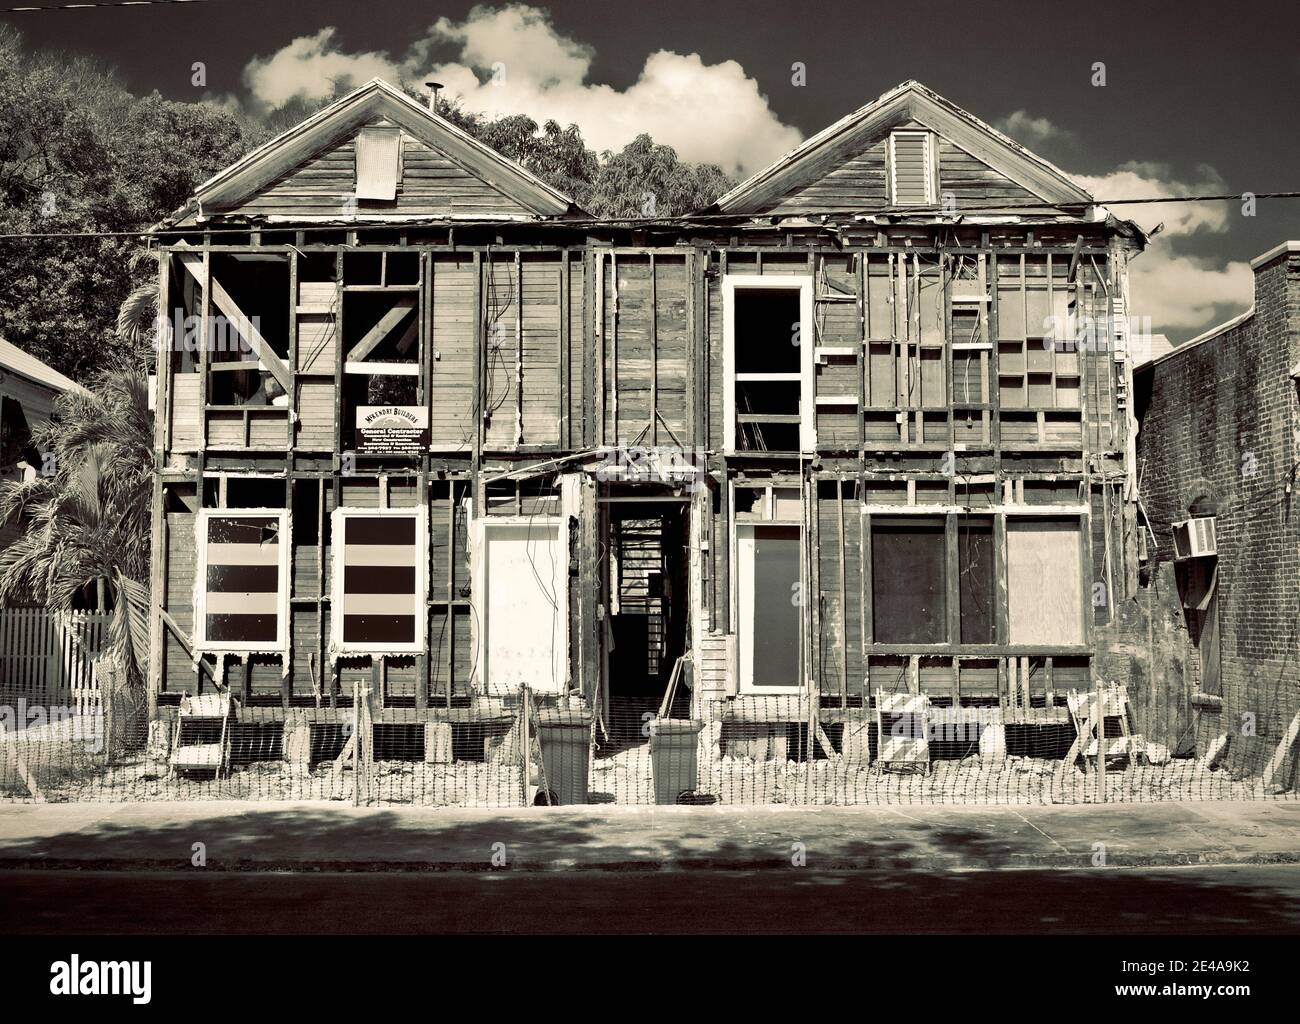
(912, 168)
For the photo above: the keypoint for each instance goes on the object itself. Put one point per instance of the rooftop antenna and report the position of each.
(434, 89)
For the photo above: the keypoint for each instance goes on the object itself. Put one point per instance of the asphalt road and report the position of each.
(1241, 900)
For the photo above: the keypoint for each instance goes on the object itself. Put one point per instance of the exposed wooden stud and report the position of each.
(844, 596)
(519, 348)
(654, 355)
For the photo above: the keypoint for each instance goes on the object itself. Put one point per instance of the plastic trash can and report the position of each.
(674, 760)
(566, 747)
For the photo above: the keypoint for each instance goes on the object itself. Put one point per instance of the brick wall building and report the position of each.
(1210, 644)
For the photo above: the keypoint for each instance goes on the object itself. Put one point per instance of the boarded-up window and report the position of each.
(379, 159)
(976, 587)
(908, 586)
(526, 607)
(770, 612)
(243, 561)
(1044, 581)
(379, 580)
(912, 168)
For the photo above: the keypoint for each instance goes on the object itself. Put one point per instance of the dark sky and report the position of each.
(1189, 84)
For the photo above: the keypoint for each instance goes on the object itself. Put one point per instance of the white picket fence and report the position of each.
(47, 657)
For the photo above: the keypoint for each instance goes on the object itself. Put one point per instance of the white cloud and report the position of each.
(1137, 180)
(1186, 293)
(1032, 131)
(309, 67)
(511, 60)
(1181, 294)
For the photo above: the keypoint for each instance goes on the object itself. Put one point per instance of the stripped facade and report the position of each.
(863, 428)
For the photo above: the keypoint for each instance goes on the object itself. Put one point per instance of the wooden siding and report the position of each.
(858, 182)
(431, 184)
(452, 416)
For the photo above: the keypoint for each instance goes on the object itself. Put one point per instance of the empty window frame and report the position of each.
(380, 559)
(521, 602)
(770, 622)
(768, 361)
(243, 573)
(913, 172)
(1045, 581)
(379, 163)
(909, 584)
(246, 328)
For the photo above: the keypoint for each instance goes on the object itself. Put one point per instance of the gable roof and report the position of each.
(909, 102)
(15, 360)
(376, 99)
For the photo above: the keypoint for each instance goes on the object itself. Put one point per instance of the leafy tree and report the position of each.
(88, 524)
(556, 155)
(647, 179)
(80, 154)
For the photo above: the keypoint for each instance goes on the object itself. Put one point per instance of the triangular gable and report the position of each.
(843, 167)
(308, 172)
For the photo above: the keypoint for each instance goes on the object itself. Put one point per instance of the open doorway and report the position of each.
(646, 594)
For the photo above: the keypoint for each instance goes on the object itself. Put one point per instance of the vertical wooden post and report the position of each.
(613, 344)
(480, 399)
(526, 742)
(1100, 720)
(598, 284)
(519, 348)
(654, 357)
(810, 758)
(565, 339)
(844, 595)
(356, 743)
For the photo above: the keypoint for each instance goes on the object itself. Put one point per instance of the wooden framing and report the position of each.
(636, 328)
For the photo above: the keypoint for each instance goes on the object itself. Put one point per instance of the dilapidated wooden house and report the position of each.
(862, 427)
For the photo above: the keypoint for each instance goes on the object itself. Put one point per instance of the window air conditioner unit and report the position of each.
(1194, 538)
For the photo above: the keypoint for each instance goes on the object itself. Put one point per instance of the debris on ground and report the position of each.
(626, 778)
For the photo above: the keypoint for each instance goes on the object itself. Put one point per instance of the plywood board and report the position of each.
(1044, 584)
(526, 613)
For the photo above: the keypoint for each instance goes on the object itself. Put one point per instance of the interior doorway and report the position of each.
(648, 608)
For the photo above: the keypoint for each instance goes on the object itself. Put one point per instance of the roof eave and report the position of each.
(1072, 192)
(553, 202)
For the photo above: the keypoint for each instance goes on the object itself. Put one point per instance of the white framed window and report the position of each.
(242, 580)
(768, 343)
(768, 584)
(521, 602)
(913, 179)
(380, 579)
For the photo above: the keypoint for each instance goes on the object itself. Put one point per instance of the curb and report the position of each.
(1058, 862)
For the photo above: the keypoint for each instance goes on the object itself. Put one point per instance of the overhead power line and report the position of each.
(105, 3)
(667, 222)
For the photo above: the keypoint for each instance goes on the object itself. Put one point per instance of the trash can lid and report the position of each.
(551, 717)
(678, 725)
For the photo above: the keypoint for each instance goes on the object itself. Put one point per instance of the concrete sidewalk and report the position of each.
(318, 837)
